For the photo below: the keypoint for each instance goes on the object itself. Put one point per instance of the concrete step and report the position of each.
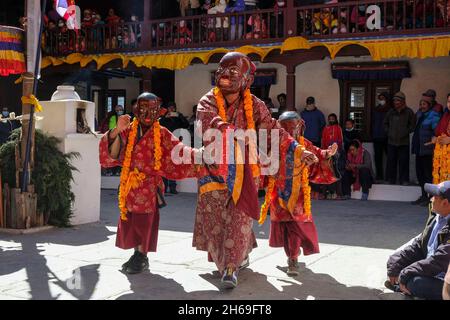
(382, 192)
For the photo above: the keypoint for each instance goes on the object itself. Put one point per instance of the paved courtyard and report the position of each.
(356, 239)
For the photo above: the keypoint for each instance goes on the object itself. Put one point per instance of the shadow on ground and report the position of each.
(252, 285)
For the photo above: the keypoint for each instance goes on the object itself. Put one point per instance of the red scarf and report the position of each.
(358, 159)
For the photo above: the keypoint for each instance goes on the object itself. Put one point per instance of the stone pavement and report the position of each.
(356, 239)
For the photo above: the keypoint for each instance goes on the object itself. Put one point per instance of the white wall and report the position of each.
(131, 85)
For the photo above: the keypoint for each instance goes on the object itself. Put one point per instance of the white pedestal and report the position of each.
(59, 119)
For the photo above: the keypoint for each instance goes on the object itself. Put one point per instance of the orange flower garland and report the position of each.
(132, 180)
(306, 188)
(248, 108)
(441, 163)
(267, 200)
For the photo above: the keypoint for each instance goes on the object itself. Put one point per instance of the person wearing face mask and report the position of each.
(350, 133)
(112, 122)
(7, 125)
(427, 121)
(379, 136)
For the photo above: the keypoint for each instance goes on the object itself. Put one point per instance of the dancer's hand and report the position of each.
(443, 140)
(331, 151)
(309, 158)
(123, 123)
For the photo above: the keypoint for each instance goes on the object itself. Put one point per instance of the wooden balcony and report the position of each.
(342, 20)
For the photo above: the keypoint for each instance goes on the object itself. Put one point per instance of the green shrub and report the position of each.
(51, 176)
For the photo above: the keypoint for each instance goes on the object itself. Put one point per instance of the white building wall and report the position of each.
(131, 85)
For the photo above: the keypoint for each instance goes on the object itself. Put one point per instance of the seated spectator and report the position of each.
(358, 171)
(350, 133)
(419, 269)
(446, 289)
(87, 19)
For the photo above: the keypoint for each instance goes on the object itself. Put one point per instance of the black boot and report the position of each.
(126, 264)
(138, 264)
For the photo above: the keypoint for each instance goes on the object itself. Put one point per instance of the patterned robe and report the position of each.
(222, 228)
(296, 230)
(141, 228)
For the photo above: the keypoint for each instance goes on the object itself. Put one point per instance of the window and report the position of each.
(359, 99)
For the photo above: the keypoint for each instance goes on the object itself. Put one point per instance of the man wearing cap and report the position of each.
(427, 121)
(398, 124)
(419, 269)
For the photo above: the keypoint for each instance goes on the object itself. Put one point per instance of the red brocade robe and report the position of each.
(141, 226)
(296, 229)
(223, 228)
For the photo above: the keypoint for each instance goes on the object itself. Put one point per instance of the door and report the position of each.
(107, 100)
(360, 98)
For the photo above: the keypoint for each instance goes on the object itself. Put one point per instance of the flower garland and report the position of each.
(441, 163)
(267, 200)
(132, 180)
(305, 185)
(248, 109)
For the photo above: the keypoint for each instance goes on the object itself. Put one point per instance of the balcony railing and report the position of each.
(340, 20)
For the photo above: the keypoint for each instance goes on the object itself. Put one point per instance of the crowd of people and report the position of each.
(392, 123)
(121, 32)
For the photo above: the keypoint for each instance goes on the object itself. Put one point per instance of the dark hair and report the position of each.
(448, 95)
(355, 143)
(310, 100)
(281, 95)
(171, 104)
(333, 115)
(133, 101)
(350, 120)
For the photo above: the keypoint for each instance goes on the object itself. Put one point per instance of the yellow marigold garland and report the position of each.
(267, 200)
(305, 186)
(157, 142)
(441, 163)
(130, 181)
(248, 108)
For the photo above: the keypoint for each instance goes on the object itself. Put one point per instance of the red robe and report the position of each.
(295, 231)
(222, 228)
(141, 228)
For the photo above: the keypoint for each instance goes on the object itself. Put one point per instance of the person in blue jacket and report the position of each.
(427, 121)
(314, 121)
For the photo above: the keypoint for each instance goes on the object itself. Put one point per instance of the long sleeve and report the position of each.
(106, 161)
(411, 121)
(366, 161)
(404, 258)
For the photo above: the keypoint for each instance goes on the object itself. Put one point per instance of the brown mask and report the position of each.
(235, 73)
(147, 109)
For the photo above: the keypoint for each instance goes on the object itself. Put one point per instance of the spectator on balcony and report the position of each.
(358, 18)
(251, 5)
(398, 124)
(189, 7)
(237, 25)
(277, 21)
(443, 6)
(183, 35)
(314, 121)
(358, 171)
(112, 19)
(427, 121)
(419, 268)
(257, 26)
(87, 19)
(422, 8)
(379, 136)
(221, 22)
(53, 15)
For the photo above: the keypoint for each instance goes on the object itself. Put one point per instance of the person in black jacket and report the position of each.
(419, 268)
(173, 120)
